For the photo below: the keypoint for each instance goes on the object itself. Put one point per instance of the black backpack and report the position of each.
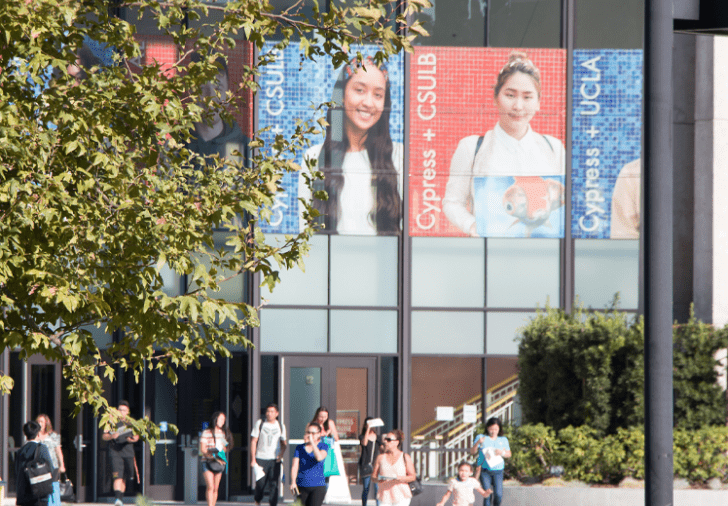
(40, 475)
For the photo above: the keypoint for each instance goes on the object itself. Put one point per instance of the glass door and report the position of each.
(37, 390)
(345, 385)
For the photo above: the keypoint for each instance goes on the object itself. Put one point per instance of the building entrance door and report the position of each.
(345, 385)
(37, 390)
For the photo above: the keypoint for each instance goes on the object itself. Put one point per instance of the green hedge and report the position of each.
(587, 368)
(699, 454)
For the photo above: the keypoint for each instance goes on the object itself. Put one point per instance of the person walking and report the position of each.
(394, 471)
(23, 457)
(267, 446)
(461, 488)
(215, 442)
(370, 449)
(307, 469)
(494, 447)
(121, 452)
(52, 441)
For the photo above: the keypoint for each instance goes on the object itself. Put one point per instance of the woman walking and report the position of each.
(215, 442)
(394, 471)
(52, 440)
(307, 469)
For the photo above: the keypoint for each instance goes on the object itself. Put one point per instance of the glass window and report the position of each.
(451, 332)
(293, 330)
(503, 329)
(458, 23)
(523, 272)
(604, 268)
(298, 287)
(443, 382)
(613, 24)
(364, 271)
(502, 389)
(172, 281)
(388, 382)
(363, 331)
(524, 23)
(448, 272)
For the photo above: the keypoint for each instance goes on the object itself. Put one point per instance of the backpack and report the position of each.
(40, 475)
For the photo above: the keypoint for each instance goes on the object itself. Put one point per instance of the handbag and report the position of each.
(416, 486)
(218, 463)
(331, 468)
(367, 468)
(66, 487)
(215, 466)
(40, 475)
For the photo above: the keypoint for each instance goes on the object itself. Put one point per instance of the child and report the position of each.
(463, 487)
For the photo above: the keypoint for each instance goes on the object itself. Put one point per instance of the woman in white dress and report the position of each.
(362, 166)
(512, 148)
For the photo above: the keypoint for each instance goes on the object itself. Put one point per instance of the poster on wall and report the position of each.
(360, 152)
(218, 137)
(487, 155)
(606, 144)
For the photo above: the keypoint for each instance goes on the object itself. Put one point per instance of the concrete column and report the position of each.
(710, 247)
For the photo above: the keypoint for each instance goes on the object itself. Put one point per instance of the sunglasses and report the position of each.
(390, 439)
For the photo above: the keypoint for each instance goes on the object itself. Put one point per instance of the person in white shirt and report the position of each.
(512, 148)
(362, 166)
(267, 446)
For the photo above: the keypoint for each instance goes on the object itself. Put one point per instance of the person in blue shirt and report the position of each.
(307, 469)
(493, 448)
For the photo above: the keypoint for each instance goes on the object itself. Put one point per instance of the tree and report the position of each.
(99, 193)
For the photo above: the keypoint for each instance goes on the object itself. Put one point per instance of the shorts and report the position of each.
(121, 467)
(206, 467)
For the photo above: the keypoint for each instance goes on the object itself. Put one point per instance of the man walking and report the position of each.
(267, 446)
(121, 452)
(23, 458)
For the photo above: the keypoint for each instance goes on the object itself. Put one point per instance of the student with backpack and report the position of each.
(267, 446)
(32, 456)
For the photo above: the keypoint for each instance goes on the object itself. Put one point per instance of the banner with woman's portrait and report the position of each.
(487, 134)
(360, 151)
(216, 137)
(606, 144)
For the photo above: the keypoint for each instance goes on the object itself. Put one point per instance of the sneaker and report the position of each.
(118, 503)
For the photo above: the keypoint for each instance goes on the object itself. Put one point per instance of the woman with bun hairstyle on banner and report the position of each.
(515, 153)
(362, 166)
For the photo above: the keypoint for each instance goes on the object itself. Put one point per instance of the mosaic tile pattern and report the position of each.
(290, 91)
(606, 134)
(162, 50)
(451, 97)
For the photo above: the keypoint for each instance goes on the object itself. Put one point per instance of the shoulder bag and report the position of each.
(215, 464)
(367, 468)
(415, 486)
(40, 475)
(331, 467)
(66, 486)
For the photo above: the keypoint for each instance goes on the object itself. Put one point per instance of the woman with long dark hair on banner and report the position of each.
(362, 166)
(511, 149)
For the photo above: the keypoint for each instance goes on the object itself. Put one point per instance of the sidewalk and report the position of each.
(512, 496)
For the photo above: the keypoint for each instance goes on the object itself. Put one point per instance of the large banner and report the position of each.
(487, 156)
(606, 144)
(360, 152)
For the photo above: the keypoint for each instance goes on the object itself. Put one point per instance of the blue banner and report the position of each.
(606, 144)
(291, 89)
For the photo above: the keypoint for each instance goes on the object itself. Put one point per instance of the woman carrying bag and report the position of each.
(370, 445)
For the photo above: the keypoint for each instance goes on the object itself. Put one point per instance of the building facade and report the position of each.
(446, 236)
